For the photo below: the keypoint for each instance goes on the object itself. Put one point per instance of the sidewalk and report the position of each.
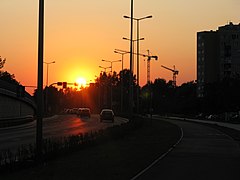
(228, 125)
(203, 153)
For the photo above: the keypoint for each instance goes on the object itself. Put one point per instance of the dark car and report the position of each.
(84, 112)
(107, 114)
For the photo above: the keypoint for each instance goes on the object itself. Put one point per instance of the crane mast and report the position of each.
(149, 57)
(148, 68)
(175, 73)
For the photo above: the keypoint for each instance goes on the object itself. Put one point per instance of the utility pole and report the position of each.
(40, 82)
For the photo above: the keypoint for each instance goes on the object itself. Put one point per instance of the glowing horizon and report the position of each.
(79, 34)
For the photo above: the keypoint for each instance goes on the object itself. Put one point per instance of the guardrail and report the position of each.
(16, 91)
(7, 122)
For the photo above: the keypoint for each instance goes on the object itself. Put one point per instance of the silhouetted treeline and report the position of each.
(159, 97)
(222, 96)
(6, 76)
(163, 97)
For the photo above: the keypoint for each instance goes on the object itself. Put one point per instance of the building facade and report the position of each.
(218, 55)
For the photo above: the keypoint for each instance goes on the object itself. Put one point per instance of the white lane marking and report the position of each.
(158, 159)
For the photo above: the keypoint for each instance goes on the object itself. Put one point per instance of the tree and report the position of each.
(2, 62)
(6, 76)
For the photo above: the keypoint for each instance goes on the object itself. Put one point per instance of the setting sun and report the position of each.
(81, 82)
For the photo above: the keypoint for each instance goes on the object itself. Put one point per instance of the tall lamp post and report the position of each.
(46, 96)
(138, 19)
(122, 53)
(134, 40)
(103, 97)
(47, 63)
(131, 68)
(40, 82)
(111, 74)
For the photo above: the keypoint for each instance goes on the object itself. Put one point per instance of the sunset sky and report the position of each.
(79, 34)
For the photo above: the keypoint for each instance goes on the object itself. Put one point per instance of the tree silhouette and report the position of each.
(2, 62)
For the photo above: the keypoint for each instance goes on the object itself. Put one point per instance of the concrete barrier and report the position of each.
(16, 106)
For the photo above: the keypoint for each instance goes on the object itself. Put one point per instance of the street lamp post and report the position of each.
(134, 40)
(131, 68)
(47, 71)
(46, 89)
(111, 74)
(122, 53)
(40, 82)
(138, 19)
(104, 94)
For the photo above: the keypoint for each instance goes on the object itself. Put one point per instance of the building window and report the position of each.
(234, 36)
(236, 44)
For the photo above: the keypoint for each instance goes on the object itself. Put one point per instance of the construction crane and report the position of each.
(149, 57)
(175, 73)
(148, 68)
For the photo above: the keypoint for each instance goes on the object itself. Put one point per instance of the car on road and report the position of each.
(107, 114)
(84, 112)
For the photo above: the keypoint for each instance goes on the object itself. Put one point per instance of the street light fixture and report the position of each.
(111, 62)
(47, 71)
(105, 68)
(138, 19)
(134, 40)
(122, 53)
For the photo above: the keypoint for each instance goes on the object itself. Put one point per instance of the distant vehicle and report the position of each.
(211, 117)
(107, 114)
(79, 111)
(200, 116)
(74, 110)
(84, 112)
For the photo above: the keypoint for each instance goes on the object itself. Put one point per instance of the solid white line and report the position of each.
(158, 159)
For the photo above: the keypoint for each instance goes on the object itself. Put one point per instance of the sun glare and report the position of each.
(81, 82)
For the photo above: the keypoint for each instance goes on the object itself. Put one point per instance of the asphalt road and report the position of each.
(203, 153)
(56, 126)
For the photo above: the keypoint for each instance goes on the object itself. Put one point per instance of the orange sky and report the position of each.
(79, 34)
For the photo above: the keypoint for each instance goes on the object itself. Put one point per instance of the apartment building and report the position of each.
(218, 55)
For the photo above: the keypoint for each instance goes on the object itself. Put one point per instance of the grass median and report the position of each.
(125, 152)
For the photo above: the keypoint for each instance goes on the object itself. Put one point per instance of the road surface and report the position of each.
(56, 126)
(203, 153)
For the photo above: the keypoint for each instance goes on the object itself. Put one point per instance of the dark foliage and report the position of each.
(6, 76)
(56, 147)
